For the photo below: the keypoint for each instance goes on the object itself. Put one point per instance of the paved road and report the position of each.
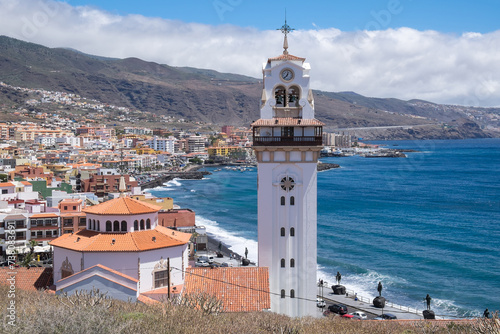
(368, 308)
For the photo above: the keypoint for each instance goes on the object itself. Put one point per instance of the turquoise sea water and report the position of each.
(425, 224)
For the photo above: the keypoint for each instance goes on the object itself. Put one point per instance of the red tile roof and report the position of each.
(27, 278)
(44, 215)
(287, 121)
(241, 289)
(122, 206)
(6, 184)
(286, 57)
(91, 241)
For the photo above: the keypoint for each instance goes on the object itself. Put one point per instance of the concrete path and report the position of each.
(368, 307)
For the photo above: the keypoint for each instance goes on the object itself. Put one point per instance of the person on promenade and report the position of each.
(246, 253)
(338, 277)
(379, 289)
(486, 314)
(428, 300)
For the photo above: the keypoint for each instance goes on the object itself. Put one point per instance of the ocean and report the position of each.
(425, 224)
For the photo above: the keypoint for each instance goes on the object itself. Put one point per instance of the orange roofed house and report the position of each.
(124, 251)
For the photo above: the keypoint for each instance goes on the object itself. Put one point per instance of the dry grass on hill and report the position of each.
(39, 312)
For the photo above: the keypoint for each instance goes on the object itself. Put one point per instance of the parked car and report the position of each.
(338, 308)
(347, 316)
(359, 314)
(226, 264)
(201, 263)
(209, 258)
(320, 303)
(386, 316)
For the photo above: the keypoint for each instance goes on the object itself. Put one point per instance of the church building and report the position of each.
(287, 140)
(123, 251)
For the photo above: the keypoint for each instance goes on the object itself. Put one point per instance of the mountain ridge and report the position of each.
(210, 96)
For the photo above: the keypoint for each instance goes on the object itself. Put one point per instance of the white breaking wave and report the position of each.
(173, 183)
(236, 243)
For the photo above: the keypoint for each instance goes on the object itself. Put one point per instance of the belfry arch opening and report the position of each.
(287, 101)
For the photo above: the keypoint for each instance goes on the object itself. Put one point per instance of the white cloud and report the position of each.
(402, 63)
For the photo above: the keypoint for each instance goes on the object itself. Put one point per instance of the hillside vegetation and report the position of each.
(41, 312)
(220, 98)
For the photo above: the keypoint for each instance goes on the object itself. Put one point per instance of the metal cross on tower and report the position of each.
(285, 29)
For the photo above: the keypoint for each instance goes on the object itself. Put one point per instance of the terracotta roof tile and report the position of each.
(91, 241)
(146, 300)
(122, 206)
(286, 57)
(28, 278)
(241, 289)
(287, 121)
(6, 184)
(44, 215)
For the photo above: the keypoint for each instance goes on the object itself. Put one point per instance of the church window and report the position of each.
(116, 226)
(282, 231)
(65, 273)
(292, 293)
(98, 225)
(142, 224)
(282, 263)
(282, 200)
(148, 224)
(292, 200)
(124, 226)
(282, 293)
(287, 183)
(161, 278)
(136, 225)
(109, 226)
(292, 231)
(292, 263)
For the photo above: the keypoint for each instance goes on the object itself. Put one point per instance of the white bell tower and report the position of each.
(287, 140)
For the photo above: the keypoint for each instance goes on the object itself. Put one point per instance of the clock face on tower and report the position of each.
(287, 74)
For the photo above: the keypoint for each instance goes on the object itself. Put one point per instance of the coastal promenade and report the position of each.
(365, 305)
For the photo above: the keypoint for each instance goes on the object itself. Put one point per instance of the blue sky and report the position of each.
(440, 51)
(456, 16)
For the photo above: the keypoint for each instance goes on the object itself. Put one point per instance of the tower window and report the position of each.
(136, 225)
(98, 225)
(292, 231)
(124, 226)
(116, 226)
(287, 183)
(282, 200)
(282, 231)
(282, 263)
(282, 293)
(292, 293)
(292, 200)
(148, 224)
(287, 131)
(142, 224)
(292, 263)
(109, 227)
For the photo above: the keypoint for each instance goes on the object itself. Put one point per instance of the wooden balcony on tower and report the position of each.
(287, 132)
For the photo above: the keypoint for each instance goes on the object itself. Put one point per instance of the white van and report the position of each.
(208, 258)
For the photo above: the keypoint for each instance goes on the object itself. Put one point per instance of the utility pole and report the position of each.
(168, 276)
